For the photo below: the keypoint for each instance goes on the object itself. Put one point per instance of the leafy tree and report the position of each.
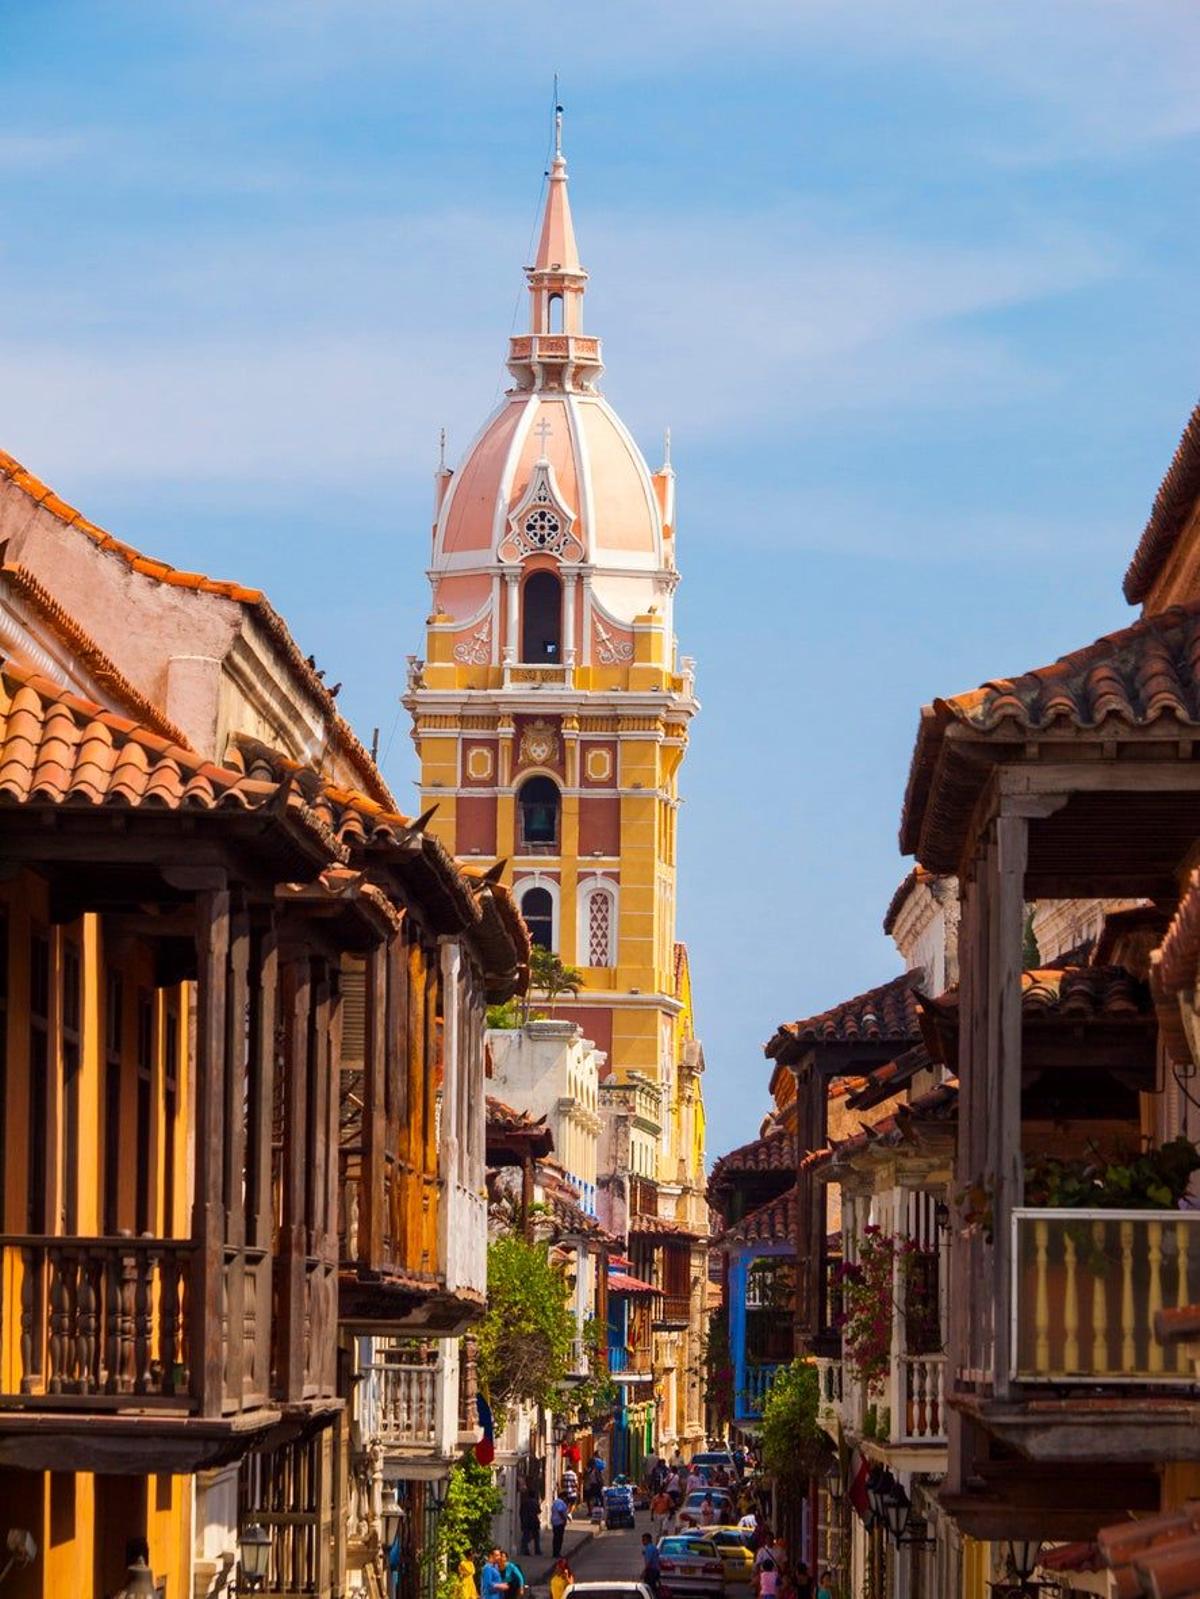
(526, 1335)
(792, 1442)
(549, 976)
(718, 1369)
(465, 1524)
(505, 1018)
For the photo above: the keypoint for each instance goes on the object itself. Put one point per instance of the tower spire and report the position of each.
(555, 353)
(557, 250)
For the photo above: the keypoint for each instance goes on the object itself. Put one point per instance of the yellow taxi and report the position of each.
(737, 1557)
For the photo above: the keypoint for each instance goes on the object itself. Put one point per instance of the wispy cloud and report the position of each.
(315, 354)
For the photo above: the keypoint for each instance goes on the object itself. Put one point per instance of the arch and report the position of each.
(539, 816)
(541, 618)
(538, 900)
(555, 314)
(596, 935)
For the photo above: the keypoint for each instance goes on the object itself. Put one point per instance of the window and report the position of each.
(555, 317)
(537, 907)
(598, 924)
(538, 805)
(541, 627)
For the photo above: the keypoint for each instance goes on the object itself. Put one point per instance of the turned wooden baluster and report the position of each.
(1099, 1300)
(127, 1365)
(1070, 1308)
(249, 1328)
(1154, 1305)
(85, 1329)
(168, 1322)
(59, 1319)
(1128, 1347)
(112, 1323)
(30, 1365)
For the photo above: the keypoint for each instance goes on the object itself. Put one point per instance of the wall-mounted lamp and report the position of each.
(254, 1551)
(391, 1515)
(139, 1581)
(22, 1551)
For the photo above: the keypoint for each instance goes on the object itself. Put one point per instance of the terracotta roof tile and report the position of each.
(1133, 678)
(772, 1153)
(916, 875)
(161, 572)
(1071, 995)
(620, 1282)
(659, 1227)
(1173, 506)
(887, 1080)
(772, 1223)
(57, 748)
(939, 1105)
(884, 1014)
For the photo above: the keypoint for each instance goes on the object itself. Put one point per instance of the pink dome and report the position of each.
(599, 472)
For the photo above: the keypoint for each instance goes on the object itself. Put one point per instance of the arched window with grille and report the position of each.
(537, 907)
(597, 930)
(539, 805)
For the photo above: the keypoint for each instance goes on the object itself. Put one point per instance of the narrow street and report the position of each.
(616, 1555)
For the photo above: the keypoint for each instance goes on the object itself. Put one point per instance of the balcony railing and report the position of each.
(829, 1387)
(540, 675)
(918, 1410)
(401, 1401)
(675, 1312)
(1086, 1287)
(107, 1324)
(754, 1391)
(629, 1360)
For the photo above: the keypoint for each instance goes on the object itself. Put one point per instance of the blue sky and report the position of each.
(912, 281)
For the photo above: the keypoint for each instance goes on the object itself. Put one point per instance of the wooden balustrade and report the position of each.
(105, 1323)
(1087, 1285)
(918, 1408)
(402, 1402)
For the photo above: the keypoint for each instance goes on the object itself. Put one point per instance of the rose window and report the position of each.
(543, 530)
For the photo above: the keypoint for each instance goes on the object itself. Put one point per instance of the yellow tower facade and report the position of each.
(551, 710)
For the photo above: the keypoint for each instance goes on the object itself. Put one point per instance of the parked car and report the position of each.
(736, 1552)
(690, 1565)
(715, 1457)
(614, 1589)
(690, 1509)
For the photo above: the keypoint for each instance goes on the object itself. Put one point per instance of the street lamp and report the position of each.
(22, 1551)
(254, 1549)
(139, 1581)
(391, 1514)
(875, 1493)
(1023, 1555)
(834, 1482)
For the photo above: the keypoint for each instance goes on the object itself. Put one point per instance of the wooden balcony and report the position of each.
(108, 1355)
(674, 1311)
(1087, 1377)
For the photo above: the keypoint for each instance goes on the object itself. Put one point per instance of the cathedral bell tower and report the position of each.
(550, 713)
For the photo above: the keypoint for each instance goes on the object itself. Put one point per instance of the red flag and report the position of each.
(860, 1470)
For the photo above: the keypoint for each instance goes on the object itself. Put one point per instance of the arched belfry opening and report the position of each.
(539, 804)
(541, 620)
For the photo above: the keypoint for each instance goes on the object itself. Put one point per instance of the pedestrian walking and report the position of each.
(493, 1577)
(663, 1511)
(767, 1580)
(513, 1577)
(560, 1514)
(825, 1586)
(651, 1564)
(802, 1582)
(530, 1514)
(561, 1578)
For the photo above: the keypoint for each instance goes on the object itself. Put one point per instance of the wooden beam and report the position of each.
(208, 1210)
(374, 1112)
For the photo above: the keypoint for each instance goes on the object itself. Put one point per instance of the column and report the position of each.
(208, 1210)
(585, 578)
(569, 581)
(510, 611)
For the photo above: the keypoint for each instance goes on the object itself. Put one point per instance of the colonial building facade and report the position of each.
(551, 717)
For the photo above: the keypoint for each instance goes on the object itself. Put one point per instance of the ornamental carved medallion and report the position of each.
(539, 744)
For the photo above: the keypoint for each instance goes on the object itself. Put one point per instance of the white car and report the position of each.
(692, 1508)
(608, 1590)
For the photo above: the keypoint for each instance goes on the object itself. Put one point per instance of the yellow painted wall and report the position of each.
(74, 1523)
